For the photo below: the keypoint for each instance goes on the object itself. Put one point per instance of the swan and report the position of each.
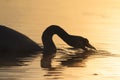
(12, 41)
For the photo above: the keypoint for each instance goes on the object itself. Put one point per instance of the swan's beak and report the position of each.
(90, 46)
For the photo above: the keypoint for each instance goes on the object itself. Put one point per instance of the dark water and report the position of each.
(68, 64)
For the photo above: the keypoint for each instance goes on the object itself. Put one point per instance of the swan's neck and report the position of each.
(49, 46)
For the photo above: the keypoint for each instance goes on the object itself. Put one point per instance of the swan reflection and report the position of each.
(68, 60)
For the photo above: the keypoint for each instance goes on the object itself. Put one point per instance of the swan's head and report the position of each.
(87, 44)
(79, 42)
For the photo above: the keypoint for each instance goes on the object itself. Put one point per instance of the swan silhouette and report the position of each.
(12, 41)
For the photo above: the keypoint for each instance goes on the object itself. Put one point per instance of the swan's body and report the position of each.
(12, 42)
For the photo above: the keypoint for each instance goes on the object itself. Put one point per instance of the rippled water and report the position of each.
(68, 64)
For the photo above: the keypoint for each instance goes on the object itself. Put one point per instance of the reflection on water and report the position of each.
(68, 64)
(54, 74)
(66, 59)
(17, 60)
